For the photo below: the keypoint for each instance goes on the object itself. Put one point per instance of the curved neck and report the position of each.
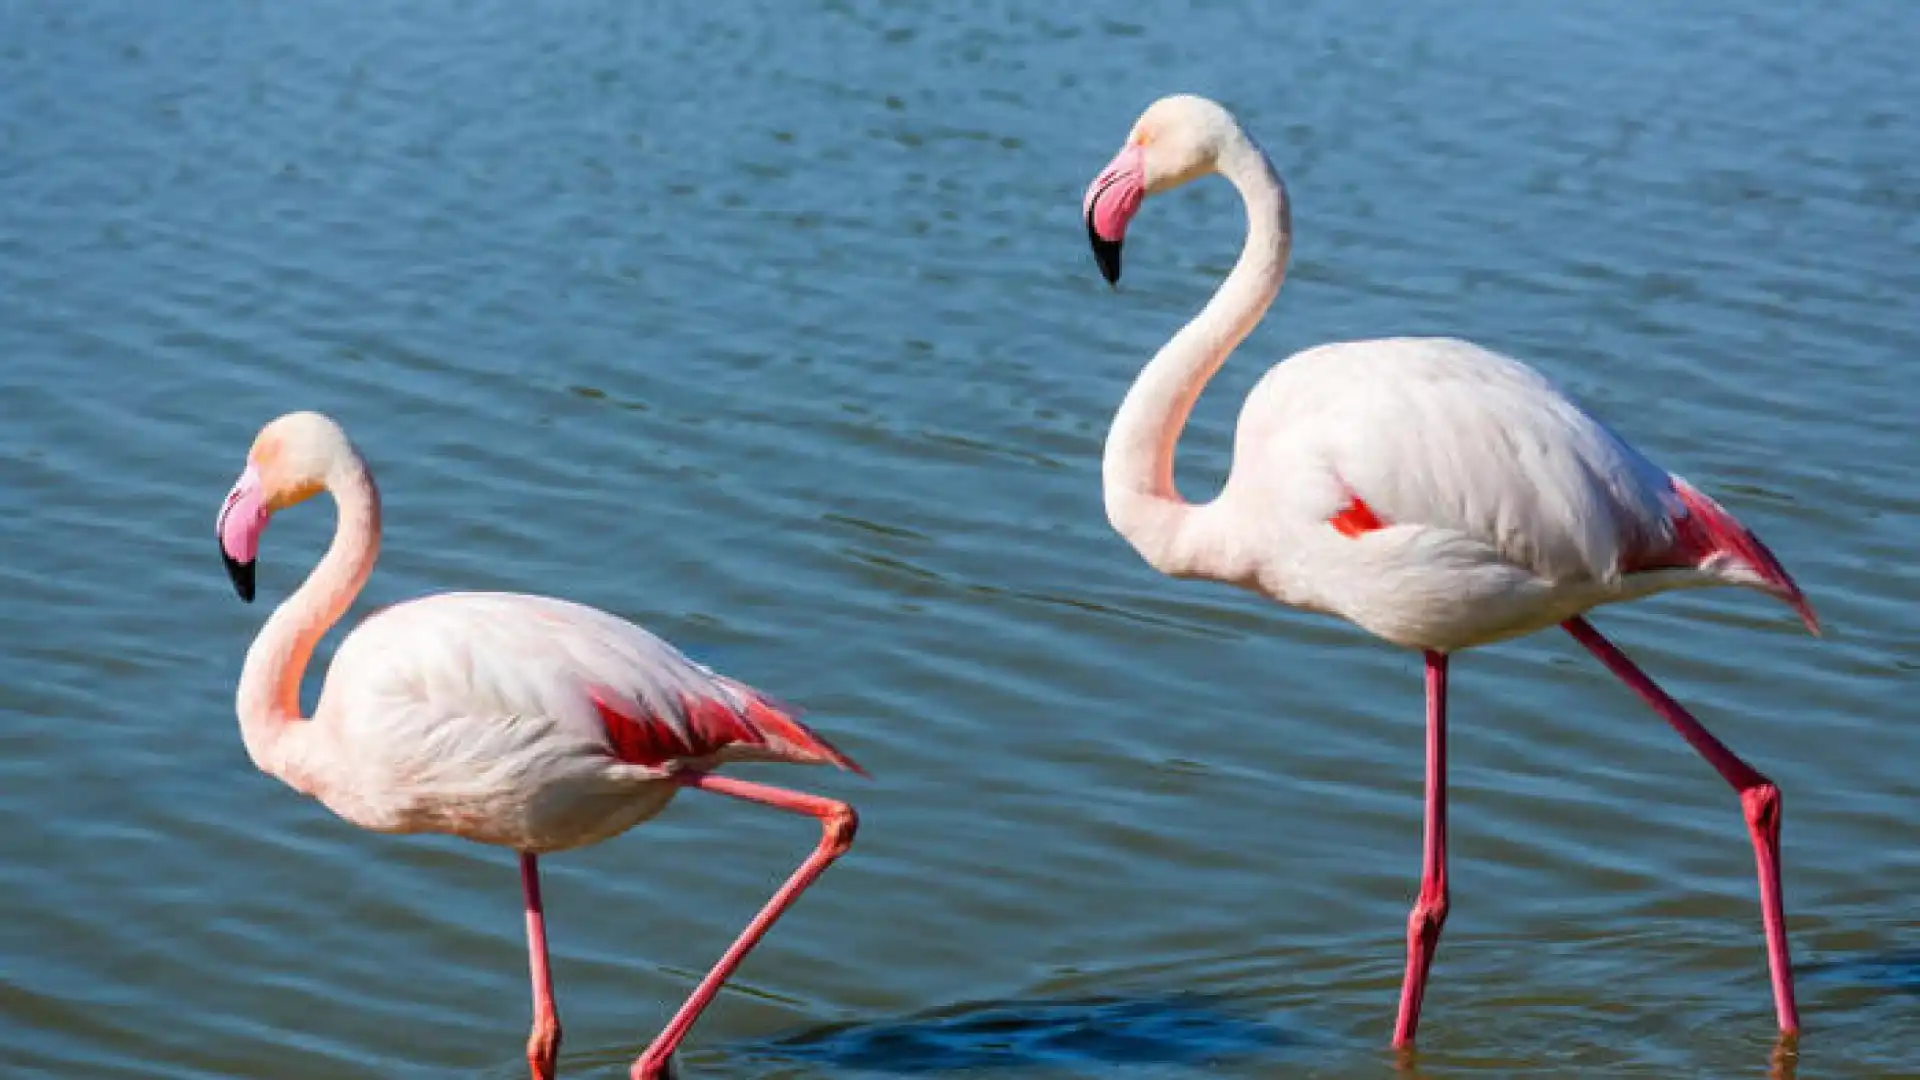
(269, 696)
(1137, 471)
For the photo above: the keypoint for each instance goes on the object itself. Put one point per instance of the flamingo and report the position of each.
(1432, 492)
(522, 721)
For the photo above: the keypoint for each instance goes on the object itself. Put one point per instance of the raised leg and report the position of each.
(1430, 910)
(543, 1046)
(1759, 803)
(838, 823)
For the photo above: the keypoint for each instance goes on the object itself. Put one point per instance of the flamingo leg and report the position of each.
(543, 1045)
(1759, 804)
(838, 824)
(1430, 910)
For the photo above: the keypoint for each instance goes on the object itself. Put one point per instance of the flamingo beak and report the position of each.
(243, 517)
(1112, 200)
(1106, 253)
(242, 575)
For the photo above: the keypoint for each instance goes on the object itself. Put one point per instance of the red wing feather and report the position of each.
(712, 725)
(1356, 518)
(1706, 534)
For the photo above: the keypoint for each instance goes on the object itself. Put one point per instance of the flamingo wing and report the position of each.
(1447, 435)
(497, 672)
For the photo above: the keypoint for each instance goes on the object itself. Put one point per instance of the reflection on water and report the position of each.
(1899, 971)
(1018, 1036)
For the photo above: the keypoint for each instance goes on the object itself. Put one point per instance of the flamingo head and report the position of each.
(1178, 139)
(290, 462)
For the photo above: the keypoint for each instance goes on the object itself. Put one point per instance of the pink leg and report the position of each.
(838, 823)
(543, 1046)
(1759, 803)
(1430, 910)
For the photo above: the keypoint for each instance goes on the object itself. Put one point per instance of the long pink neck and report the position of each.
(277, 738)
(1143, 504)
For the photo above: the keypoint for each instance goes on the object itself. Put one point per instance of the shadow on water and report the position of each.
(1899, 971)
(1175, 1029)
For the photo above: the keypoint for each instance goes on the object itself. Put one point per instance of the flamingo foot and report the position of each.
(543, 1051)
(654, 1070)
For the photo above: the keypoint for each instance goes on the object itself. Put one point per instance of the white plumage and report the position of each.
(475, 714)
(1506, 509)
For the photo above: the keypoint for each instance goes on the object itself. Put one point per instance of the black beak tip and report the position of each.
(1106, 253)
(242, 575)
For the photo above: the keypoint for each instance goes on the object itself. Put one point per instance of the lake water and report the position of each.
(772, 326)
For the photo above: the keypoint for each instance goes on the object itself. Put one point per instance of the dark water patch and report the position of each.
(1898, 971)
(1174, 1029)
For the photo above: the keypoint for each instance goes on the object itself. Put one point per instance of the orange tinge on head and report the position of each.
(268, 458)
(265, 449)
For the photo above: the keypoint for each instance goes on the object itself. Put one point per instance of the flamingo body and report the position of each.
(1441, 495)
(528, 722)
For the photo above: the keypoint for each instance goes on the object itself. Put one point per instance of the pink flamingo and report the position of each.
(527, 722)
(1436, 494)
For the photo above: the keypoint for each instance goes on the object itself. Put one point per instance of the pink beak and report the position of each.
(243, 517)
(1112, 200)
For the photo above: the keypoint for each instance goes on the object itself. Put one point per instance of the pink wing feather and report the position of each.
(1707, 538)
(1443, 433)
(742, 723)
(477, 661)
